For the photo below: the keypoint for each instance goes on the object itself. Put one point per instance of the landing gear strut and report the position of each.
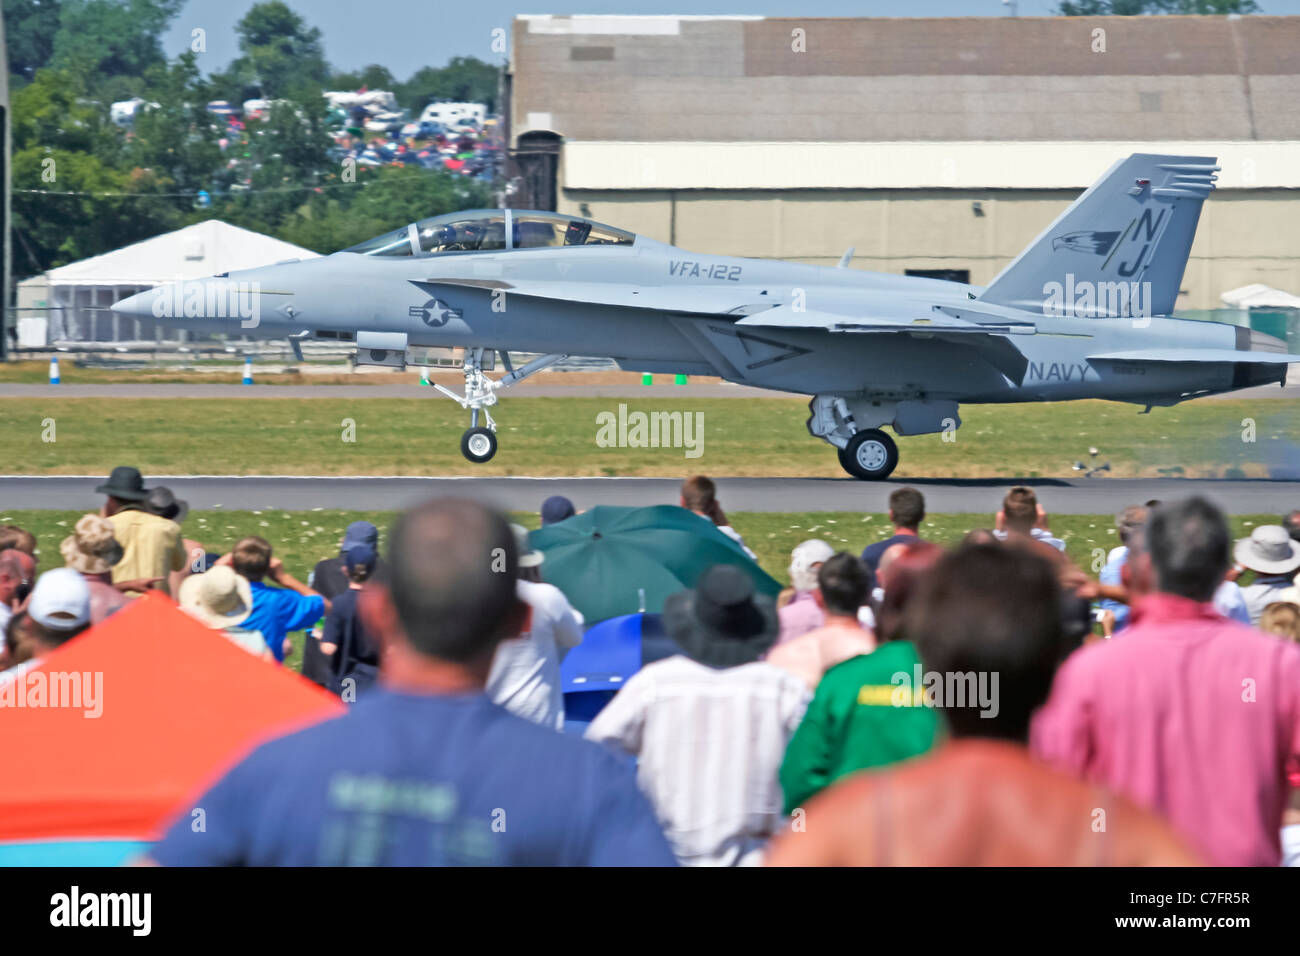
(479, 444)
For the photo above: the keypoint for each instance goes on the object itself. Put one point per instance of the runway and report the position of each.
(524, 390)
(256, 492)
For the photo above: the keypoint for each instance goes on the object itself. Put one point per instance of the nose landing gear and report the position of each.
(478, 444)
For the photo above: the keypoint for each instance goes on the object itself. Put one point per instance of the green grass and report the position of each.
(301, 538)
(558, 436)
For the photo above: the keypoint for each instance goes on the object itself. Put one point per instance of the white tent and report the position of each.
(76, 297)
(1260, 296)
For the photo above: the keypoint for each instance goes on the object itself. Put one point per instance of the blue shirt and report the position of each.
(422, 780)
(276, 611)
(1111, 574)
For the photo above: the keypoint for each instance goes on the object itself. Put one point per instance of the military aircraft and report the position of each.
(1083, 312)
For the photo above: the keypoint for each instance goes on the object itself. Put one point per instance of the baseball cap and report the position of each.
(360, 532)
(60, 600)
(809, 553)
(360, 556)
(555, 509)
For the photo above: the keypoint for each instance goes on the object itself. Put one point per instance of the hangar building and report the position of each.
(932, 146)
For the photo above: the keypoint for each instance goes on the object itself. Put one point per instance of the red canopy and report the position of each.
(177, 705)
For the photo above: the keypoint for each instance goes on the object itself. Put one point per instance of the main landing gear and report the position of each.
(479, 443)
(867, 454)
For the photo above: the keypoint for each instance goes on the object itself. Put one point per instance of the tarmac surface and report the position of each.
(204, 390)
(256, 492)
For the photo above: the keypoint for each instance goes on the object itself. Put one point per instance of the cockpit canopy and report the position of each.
(488, 230)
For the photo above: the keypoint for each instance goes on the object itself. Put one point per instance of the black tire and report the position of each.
(478, 444)
(870, 455)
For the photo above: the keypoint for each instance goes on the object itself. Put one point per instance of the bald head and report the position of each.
(452, 572)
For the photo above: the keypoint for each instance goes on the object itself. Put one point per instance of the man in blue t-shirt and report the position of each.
(290, 607)
(906, 512)
(425, 770)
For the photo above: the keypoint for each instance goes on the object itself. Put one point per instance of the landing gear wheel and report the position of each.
(478, 444)
(870, 455)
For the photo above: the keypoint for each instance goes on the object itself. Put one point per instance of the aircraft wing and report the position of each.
(684, 300)
(988, 341)
(1198, 356)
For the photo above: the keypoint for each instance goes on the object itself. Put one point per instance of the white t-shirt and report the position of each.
(525, 675)
(6, 613)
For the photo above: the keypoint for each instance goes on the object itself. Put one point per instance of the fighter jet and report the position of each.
(1082, 312)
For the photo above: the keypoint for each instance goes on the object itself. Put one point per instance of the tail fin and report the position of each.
(1121, 247)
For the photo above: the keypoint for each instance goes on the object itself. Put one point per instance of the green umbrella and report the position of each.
(603, 559)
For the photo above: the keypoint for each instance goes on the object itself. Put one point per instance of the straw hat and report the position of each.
(91, 548)
(218, 598)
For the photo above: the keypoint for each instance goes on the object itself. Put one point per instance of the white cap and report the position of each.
(810, 553)
(528, 558)
(804, 558)
(60, 600)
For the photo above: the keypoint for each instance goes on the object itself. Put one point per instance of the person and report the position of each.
(1023, 515)
(1190, 715)
(980, 798)
(276, 610)
(17, 569)
(12, 536)
(18, 644)
(1275, 559)
(801, 612)
(700, 495)
(555, 509)
(346, 640)
(424, 769)
(856, 720)
(709, 726)
(57, 611)
(91, 550)
(151, 545)
(1113, 589)
(1127, 523)
(525, 674)
(1281, 618)
(221, 600)
(906, 512)
(330, 579)
(843, 586)
(163, 503)
(1292, 524)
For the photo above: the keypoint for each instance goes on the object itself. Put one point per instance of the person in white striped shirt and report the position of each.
(710, 726)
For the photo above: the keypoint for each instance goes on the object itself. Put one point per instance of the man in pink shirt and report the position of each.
(843, 586)
(802, 613)
(1188, 713)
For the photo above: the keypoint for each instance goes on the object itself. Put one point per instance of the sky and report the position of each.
(405, 35)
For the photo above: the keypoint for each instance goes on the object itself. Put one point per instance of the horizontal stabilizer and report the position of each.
(785, 317)
(1198, 356)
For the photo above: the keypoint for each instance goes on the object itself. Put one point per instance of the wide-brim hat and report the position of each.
(218, 598)
(164, 504)
(91, 548)
(723, 621)
(1269, 549)
(125, 483)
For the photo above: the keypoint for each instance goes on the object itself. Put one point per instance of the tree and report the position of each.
(106, 39)
(1135, 8)
(372, 77)
(30, 26)
(280, 52)
(465, 79)
(176, 139)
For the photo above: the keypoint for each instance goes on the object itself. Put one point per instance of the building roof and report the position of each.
(751, 79)
(204, 249)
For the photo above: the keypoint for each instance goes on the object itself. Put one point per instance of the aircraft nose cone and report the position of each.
(138, 306)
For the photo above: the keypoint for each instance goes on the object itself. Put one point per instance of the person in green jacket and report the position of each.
(861, 716)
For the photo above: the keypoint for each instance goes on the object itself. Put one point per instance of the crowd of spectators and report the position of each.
(990, 703)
